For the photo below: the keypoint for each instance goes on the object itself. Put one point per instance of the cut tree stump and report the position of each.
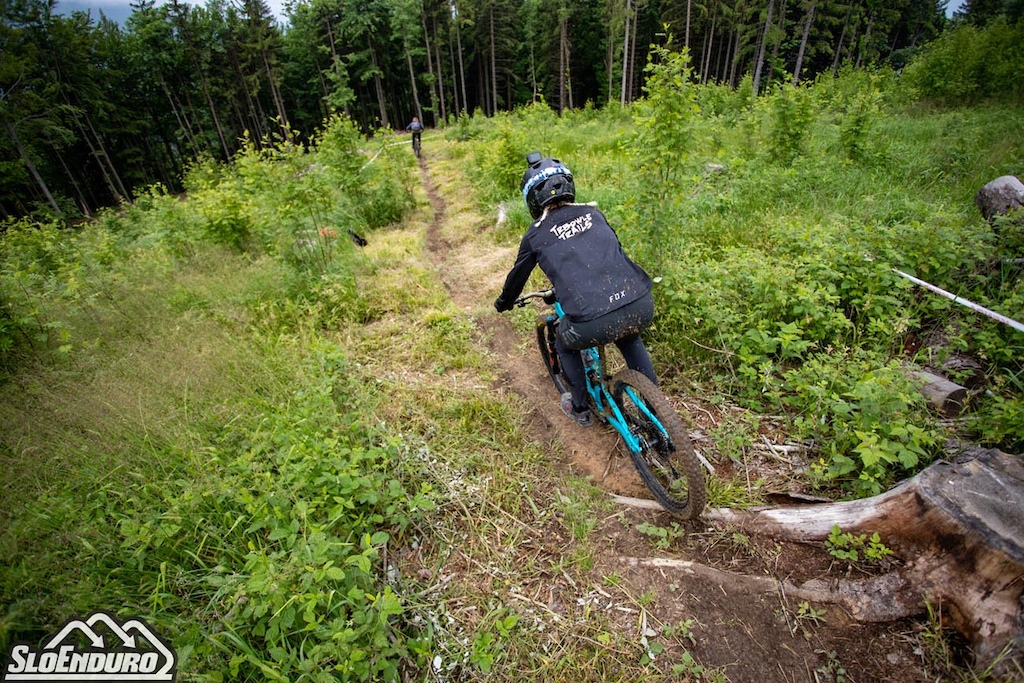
(959, 527)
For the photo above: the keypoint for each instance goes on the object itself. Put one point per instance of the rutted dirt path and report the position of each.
(472, 272)
(761, 637)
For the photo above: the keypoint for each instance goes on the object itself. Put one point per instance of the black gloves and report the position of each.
(501, 306)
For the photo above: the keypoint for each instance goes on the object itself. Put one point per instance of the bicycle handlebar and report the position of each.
(548, 295)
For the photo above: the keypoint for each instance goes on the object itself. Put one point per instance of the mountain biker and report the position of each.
(416, 128)
(606, 297)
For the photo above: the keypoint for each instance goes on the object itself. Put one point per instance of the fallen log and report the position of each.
(959, 528)
(946, 397)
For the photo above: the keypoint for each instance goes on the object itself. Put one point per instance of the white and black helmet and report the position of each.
(546, 181)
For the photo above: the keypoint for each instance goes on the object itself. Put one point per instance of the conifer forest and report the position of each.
(92, 110)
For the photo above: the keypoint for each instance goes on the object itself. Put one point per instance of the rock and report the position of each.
(999, 196)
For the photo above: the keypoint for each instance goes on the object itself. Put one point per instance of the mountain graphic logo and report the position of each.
(95, 649)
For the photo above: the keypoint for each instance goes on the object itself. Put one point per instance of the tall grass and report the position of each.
(181, 442)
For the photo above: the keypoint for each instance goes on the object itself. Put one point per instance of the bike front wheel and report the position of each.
(546, 343)
(665, 460)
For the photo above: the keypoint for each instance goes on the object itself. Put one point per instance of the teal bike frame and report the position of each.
(601, 395)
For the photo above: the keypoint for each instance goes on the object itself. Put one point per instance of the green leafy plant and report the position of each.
(855, 128)
(665, 122)
(832, 671)
(805, 612)
(488, 645)
(662, 537)
(792, 117)
(871, 425)
(578, 509)
(856, 548)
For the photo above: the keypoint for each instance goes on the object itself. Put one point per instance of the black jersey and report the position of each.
(581, 256)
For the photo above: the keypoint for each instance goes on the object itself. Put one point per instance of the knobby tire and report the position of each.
(669, 468)
(550, 356)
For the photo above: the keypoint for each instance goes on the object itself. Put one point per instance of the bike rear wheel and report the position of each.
(666, 461)
(546, 343)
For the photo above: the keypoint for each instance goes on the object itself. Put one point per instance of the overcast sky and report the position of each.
(119, 10)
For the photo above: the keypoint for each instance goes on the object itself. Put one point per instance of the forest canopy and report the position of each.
(92, 111)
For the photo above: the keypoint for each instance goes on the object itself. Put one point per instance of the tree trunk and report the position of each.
(568, 70)
(706, 66)
(632, 54)
(610, 61)
(494, 64)
(735, 57)
(482, 86)
(455, 77)
(99, 153)
(440, 71)
(864, 41)
(412, 81)
(564, 86)
(379, 88)
(762, 47)
(250, 121)
(686, 38)
(775, 46)
(625, 56)
(533, 72)
(946, 397)
(95, 153)
(842, 36)
(722, 65)
(182, 117)
(82, 203)
(803, 44)
(213, 114)
(275, 93)
(462, 67)
(122, 191)
(430, 68)
(958, 527)
(33, 171)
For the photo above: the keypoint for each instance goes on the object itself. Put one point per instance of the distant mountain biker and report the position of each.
(606, 296)
(416, 128)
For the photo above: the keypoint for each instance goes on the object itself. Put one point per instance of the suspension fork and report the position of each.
(550, 323)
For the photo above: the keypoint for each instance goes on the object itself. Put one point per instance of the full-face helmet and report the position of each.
(545, 182)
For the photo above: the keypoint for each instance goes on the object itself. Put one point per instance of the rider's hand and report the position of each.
(501, 306)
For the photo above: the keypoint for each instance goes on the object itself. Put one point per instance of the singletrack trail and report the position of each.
(473, 271)
(749, 634)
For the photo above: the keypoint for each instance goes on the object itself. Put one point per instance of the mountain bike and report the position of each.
(416, 144)
(634, 407)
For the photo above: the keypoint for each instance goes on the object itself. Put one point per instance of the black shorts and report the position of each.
(627, 321)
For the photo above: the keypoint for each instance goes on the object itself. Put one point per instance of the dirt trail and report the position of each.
(470, 270)
(757, 637)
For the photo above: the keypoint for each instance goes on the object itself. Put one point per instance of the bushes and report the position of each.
(61, 286)
(968, 64)
(784, 252)
(499, 162)
(867, 416)
(294, 205)
(791, 119)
